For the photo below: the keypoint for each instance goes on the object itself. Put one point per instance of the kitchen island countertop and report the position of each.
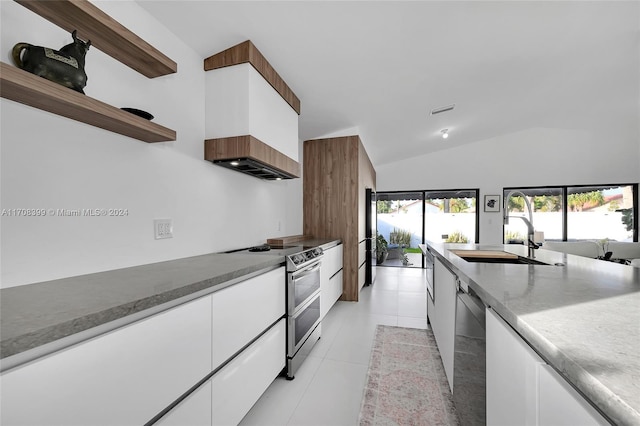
(583, 318)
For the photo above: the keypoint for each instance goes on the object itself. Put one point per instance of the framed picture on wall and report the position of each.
(492, 203)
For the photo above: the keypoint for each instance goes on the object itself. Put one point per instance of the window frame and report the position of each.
(423, 193)
(565, 205)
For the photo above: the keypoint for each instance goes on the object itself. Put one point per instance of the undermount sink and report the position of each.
(497, 256)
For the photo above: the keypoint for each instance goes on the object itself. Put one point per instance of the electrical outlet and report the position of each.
(163, 228)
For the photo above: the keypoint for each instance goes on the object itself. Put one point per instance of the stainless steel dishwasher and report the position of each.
(469, 362)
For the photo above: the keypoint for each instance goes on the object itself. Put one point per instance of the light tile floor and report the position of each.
(328, 388)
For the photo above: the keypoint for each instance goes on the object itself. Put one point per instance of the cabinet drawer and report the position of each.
(241, 382)
(362, 252)
(332, 260)
(243, 311)
(331, 292)
(124, 377)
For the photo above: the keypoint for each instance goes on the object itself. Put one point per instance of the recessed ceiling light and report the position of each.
(445, 133)
(442, 109)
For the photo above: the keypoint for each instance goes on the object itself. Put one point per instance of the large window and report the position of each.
(547, 205)
(571, 213)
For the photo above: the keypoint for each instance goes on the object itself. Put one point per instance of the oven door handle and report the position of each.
(307, 271)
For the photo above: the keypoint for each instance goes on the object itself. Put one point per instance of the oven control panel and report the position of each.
(303, 257)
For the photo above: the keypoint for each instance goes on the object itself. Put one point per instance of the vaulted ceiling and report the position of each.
(382, 66)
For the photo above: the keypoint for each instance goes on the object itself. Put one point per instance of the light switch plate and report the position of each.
(163, 228)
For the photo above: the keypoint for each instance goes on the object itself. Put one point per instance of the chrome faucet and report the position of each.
(530, 230)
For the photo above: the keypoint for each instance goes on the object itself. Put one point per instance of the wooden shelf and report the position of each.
(29, 89)
(247, 52)
(105, 33)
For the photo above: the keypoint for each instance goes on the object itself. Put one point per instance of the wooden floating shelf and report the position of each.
(247, 52)
(29, 89)
(105, 34)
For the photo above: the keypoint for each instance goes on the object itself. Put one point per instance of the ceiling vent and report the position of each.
(442, 109)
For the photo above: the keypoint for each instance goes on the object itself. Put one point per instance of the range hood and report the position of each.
(247, 154)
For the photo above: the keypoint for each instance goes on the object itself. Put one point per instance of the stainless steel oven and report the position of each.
(303, 306)
(302, 286)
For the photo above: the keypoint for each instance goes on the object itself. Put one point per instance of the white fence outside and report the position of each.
(582, 225)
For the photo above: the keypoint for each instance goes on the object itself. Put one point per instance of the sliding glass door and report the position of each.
(400, 223)
(406, 219)
(451, 216)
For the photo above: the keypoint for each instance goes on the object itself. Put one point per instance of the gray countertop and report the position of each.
(37, 315)
(38, 319)
(582, 318)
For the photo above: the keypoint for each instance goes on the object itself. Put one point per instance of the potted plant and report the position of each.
(405, 259)
(381, 249)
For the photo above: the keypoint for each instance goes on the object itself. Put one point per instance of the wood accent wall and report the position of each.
(336, 171)
(247, 52)
(248, 146)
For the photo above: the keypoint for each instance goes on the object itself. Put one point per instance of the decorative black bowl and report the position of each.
(139, 113)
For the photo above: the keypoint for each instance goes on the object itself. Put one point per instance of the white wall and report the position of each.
(532, 157)
(50, 162)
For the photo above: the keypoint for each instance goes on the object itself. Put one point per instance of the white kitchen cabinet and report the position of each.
(512, 368)
(195, 410)
(522, 389)
(231, 392)
(330, 293)
(362, 276)
(244, 310)
(332, 260)
(239, 384)
(560, 404)
(362, 252)
(130, 375)
(241, 312)
(443, 320)
(362, 265)
(330, 278)
(430, 309)
(124, 377)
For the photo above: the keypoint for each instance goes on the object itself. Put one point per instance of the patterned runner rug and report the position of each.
(406, 384)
